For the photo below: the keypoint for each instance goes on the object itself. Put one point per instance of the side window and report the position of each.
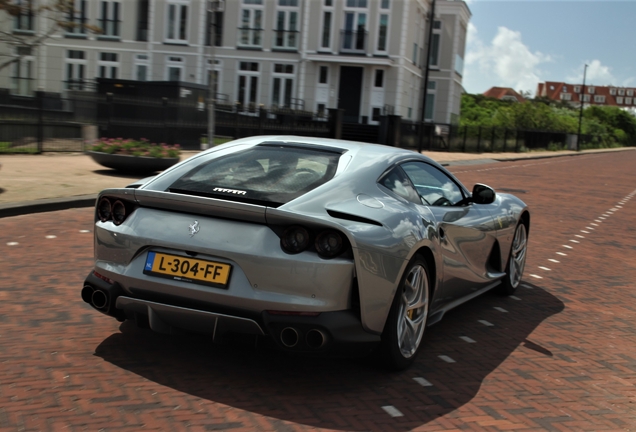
(434, 186)
(396, 181)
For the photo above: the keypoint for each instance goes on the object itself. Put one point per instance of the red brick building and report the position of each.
(504, 93)
(623, 97)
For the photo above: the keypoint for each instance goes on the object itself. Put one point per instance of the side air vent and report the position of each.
(354, 218)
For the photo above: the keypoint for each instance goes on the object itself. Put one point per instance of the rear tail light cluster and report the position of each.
(113, 209)
(328, 243)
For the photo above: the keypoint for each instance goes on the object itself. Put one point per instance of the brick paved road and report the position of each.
(560, 356)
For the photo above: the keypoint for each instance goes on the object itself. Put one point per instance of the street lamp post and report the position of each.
(213, 6)
(431, 22)
(581, 95)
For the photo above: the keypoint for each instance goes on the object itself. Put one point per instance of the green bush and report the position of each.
(135, 148)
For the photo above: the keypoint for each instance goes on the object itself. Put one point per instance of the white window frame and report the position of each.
(326, 9)
(586, 98)
(438, 33)
(75, 63)
(246, 5)
(612, 91)
(284, 77)
(24, 63)
(218, 68)
(621, 92)
(564, 97)
(173, 63)
(108, 65)
(17, 19)
(139, 60)
(431, 91)
(78, 31)
(178, 5)
(110, 18)
(356, 11)
(590, 90)
(377, 91)
(287, 32)
(564, 89)
(382, 11)
(248, 75)
(577, 89)
(628, 100)
(630, 92)
(619, 100)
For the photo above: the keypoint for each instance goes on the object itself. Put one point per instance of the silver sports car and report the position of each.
(321, 245)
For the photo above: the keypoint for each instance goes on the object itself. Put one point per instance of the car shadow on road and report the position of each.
(344, 394)
(115, 173)
(2, 190)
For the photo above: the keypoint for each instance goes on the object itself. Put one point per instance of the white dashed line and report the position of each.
(526, 286)
(421, 381)
(500, 309)
(584, 232)
(486, 323)
(514, 297)
(553, 260)
(566, 246)
(562, 254)
(579, 236)
(84, 231)
(593, 224)
(447, 359)
(575, 241)
(536, 276)
(392, 411)
(13, 244)
(544, 268)
(598, 220)
(50, 237)
(590, 228)
(620, 207)
(601, 218)
(467, 339)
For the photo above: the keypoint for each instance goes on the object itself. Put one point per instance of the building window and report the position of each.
(385, 4)
(436, 37)
(142, 67)
(430, 100)
(383, 32)
(23, 70)
(621, 92)
(565, 89)
(177, 22)
(565, 96)
(142, 20)
(251, 23)
(628, 101)
(577, 89)
(586, 98)
(282, 85)
(77, 20)
(325, 41)
(75, 70)
(108, 65)
(356, 3)
(354, 35)
(375, 114)
(214, 32)
(613, 91)
(415, 50)
(323, 76)
(590, 90)
(247, 91)
(23, 21)
(619, 99)
(378, 82)
(109, 19)
(174, 68)
(630, 92)
(286, 33)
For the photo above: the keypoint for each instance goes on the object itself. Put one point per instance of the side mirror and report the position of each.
(483, 194)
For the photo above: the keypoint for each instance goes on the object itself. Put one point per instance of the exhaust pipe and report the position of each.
(99, 299)
(315, 339)
(289, 337)
(87, 293)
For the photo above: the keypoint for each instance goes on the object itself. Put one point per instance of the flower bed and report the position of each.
(134, 157)
(135, 148)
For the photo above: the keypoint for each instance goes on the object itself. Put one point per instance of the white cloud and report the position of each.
(596, 74)
(506, 58)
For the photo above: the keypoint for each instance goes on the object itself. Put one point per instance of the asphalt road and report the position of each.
(560, 355)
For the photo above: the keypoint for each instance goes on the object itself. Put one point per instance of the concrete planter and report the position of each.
(132, 164)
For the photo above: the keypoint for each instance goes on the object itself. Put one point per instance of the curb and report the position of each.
(46, 205)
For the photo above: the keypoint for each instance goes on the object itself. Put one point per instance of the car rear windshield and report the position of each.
(269, 175)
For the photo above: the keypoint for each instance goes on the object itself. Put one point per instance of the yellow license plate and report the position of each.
(187, 269)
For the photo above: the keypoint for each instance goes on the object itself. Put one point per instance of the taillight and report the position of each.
(119, 212)
(104, 210)
(295, 239)
(329, 244)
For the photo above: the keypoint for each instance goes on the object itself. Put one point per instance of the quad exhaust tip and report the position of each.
(87, 294)
(99, 300)
(289, 337)
(315, 339)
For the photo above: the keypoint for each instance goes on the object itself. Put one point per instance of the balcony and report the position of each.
(353, 42)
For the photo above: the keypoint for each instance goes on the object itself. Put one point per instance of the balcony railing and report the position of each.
(353, 42)
(286, 40)
(250, 37)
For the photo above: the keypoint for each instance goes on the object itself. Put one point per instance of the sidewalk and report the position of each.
(52, 181)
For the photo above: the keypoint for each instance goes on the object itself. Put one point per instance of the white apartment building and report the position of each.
(365, 56)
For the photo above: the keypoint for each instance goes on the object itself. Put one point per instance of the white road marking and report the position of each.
(526, 286)
(597, 220)
(575, 241)
(486, 323)
(544, 268)
(447, 359)
(392, 411)
(585, 232)
(614, 209)
(601, 217)
(500, 309)
(566, 246)
(13, 244)
(620, 207)
(467, 339)
(536, 276)
(590, 228)
(84, 231)
(553, 260)
(50, 237)
(579, 236)
(421, 381)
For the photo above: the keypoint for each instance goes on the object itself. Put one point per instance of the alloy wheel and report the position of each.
(413, 311)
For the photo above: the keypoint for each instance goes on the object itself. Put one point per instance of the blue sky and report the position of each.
(520, 43)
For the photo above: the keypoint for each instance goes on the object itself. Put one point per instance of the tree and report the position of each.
(55, 15)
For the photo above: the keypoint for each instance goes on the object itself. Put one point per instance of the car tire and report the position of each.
(516, 261)
(406, 323)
